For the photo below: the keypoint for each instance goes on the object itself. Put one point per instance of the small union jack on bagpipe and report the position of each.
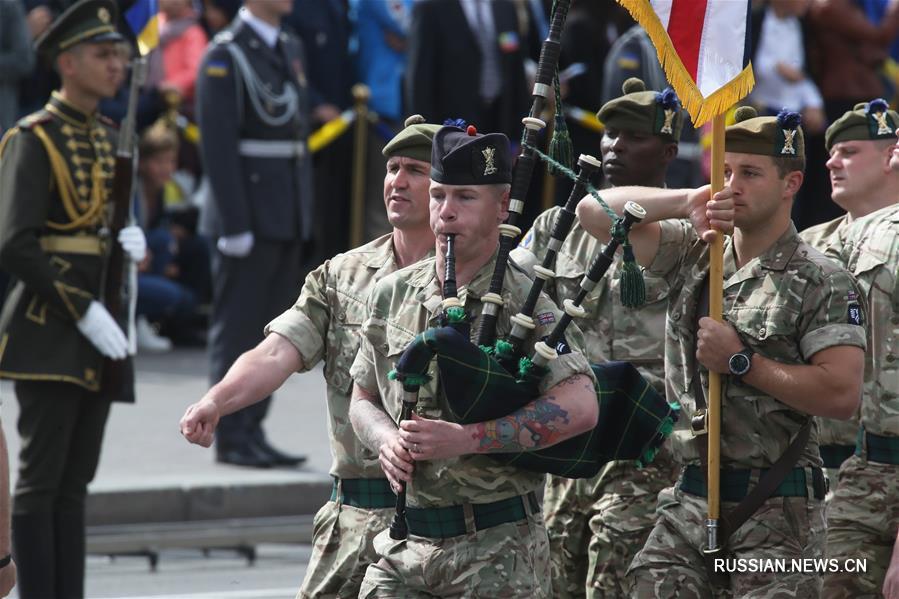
(489, 379)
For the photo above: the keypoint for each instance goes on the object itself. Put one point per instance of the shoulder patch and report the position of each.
(216, 68)
(854, 314)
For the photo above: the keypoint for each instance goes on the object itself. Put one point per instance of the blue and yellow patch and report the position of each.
(217, 69)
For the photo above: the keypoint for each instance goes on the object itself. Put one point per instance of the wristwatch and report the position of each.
(740, 363)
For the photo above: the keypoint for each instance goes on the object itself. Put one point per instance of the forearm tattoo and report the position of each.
(535, 426)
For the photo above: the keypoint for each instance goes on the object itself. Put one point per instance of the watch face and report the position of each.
(739, 364)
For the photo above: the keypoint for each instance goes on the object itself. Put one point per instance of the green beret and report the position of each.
(868, 121)
(470, 158)
(414, 141)
(656, 113)
(779, 136)
(85, 21)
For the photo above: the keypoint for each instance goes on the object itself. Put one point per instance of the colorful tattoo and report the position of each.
(533, 427)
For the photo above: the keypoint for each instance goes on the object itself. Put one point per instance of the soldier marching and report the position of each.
(807, 351)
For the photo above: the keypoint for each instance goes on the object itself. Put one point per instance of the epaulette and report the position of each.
(35, 118)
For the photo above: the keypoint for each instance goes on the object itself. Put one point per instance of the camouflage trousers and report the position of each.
(342, 549)
(671, 563)
(509, 560)
(596, 526)
(862, 519)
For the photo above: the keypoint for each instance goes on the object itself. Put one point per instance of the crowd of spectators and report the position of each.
(469, 59)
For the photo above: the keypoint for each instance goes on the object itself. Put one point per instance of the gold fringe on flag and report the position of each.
(701, 109)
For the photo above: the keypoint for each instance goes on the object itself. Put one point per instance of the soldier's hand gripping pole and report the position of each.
(544, 351)
(524, 168)
(523, 323)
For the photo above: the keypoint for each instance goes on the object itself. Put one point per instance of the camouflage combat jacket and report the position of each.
(786, 304)
(872, 255)
(324, 324)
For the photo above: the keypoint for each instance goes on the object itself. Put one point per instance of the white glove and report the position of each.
(103, 331)
(134, 242)
(236, 246)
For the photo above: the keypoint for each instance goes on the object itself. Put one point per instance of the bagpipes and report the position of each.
(490, 379)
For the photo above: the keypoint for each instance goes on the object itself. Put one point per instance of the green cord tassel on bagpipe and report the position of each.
(560, 147)
(633, 287)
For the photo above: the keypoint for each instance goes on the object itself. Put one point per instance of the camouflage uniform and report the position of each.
(507, 560)
(863, 515)
(787, 304)
(596, 526)
(324, 325)
(836, 437)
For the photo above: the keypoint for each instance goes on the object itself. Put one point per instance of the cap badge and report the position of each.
(669, 122)
(883, 127)
(103, 14)
(489, 157)
(788, 148)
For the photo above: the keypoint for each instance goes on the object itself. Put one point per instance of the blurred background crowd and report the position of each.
(819, 57)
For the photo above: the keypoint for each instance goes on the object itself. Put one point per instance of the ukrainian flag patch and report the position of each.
(217, 69)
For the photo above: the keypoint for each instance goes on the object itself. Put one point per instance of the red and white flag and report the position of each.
(704, 48)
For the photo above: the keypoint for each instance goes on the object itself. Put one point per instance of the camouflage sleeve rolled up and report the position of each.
(676, 237)
(305, 324)
(832, 314)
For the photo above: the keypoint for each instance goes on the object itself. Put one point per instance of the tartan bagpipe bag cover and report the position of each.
(634, 420)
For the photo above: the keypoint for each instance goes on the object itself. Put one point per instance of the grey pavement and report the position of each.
(149, 474)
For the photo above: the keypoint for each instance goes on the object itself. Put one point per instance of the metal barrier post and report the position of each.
(361, 95)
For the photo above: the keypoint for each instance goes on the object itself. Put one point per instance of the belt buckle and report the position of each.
(699, 423)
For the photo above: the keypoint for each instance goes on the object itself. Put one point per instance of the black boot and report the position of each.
(69, 554)
(33, 549)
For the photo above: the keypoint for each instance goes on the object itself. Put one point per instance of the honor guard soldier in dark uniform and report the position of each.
(252, 108)
(56, 170)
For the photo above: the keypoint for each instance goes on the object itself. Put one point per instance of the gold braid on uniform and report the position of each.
(67, 188)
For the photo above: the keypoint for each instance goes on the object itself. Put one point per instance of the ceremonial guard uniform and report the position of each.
(324, 324)
(787, 304)
(475, 527)
(837, 437)
(56, 170)
(597, 525)
(863, 514)
(252, 105)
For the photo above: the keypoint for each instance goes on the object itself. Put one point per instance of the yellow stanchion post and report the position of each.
(361, 94)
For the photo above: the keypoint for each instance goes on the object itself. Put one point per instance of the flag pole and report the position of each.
(716, 293)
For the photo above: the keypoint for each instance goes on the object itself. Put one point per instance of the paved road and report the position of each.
(186, 574)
